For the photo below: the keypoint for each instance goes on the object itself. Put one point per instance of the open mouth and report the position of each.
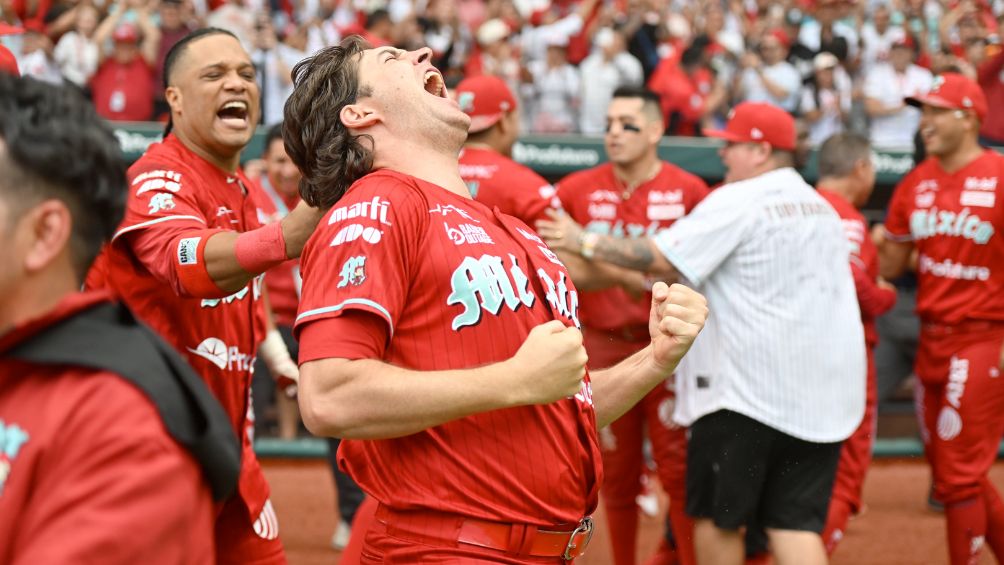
(234, 113)
(434, 83)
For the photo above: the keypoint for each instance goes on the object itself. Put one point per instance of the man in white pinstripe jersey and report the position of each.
(776, 381)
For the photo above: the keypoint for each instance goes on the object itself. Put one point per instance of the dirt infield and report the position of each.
(896, 529)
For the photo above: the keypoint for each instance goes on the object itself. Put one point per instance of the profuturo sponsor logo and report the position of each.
(228, 358)
(948, 269)
(131, 142)
(554, 155)
(892, 164)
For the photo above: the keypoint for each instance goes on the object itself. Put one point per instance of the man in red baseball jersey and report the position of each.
(846, 180)
(946, 209)
(111, 450)
(188, 256)
(634, 194)
(486, 164)
(452, 366)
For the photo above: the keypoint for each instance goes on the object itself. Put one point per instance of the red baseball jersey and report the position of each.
(873, 300)
(459, 286)
(596, 199)
(176, 200)
(952, 220)
(496, 180)
(88, 473)
(283, 280)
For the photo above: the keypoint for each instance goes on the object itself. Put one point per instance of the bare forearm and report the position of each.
(638, 254)
(617, 389)
(894, 258)
(221, 249)
(595, 275)
(369, 399)
(775, 90)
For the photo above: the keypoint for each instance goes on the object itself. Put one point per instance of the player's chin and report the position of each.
(235, 139)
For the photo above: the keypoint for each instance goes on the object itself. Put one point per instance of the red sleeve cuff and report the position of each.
(355, 334)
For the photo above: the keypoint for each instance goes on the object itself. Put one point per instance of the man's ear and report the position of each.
(172, 95)
(654, 131)
(49, 226)
(764, 152)
(358, 116)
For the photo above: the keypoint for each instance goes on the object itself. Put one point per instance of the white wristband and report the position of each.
(274, 353)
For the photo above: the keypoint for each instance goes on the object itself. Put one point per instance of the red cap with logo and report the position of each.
(955, 92)
(8, 63)
(125, 33)
(485, 99)
(753, 122)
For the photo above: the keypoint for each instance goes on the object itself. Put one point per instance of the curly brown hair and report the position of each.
(330, 156)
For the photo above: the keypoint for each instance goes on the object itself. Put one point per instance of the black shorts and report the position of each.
(740, 471)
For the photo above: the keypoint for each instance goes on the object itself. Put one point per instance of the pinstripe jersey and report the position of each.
(459, 286)
(784, 343)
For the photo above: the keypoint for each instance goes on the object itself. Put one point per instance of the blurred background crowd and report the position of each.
(837, 64)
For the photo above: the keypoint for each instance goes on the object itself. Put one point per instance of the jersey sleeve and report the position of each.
(363, 254)
(164, 226)
(699, 242)
(533, 197)
(116, 489)
(697, 191)
(897, 221)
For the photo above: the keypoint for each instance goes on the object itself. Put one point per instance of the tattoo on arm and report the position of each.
(632, 253)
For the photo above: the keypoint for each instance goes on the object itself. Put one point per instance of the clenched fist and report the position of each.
(678, 314)
(550, 365)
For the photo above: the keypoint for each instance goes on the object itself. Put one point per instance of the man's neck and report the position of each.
(226, 164)
(634, 174)
(840, 186)
(36, 296)
(966, 153)
(439, 167)
(485, 145)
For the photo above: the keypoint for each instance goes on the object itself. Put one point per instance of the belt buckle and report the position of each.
(586, 527)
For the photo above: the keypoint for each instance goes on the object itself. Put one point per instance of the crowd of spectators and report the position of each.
(837, 64)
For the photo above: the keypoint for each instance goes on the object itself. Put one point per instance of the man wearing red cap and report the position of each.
(946, 211)
(122, 87)
(493, 178)
(634, 194)
(893, 123)
(766, 74)
(778, 381)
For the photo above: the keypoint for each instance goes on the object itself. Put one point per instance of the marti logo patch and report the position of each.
(12, 438)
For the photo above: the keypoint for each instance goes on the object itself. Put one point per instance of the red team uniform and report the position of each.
(856, 452)
(112, 491)
(177, 201)
(450, 284)
(953, 221)
(496, 180)
(283, 280)
(615, 325)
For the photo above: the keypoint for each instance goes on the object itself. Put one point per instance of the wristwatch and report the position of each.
(587, 244)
